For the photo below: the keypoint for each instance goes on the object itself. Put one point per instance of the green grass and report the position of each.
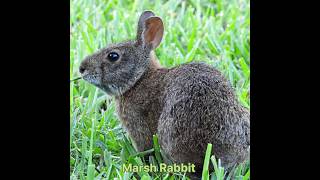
(215, 31)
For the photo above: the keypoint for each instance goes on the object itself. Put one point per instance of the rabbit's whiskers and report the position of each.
(75, 79)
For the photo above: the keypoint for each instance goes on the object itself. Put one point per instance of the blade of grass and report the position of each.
(157, 149)
(205, 171)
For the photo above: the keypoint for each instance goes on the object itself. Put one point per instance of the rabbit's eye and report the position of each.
(113, 56)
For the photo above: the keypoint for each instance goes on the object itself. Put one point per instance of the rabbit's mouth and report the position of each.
(92, 79)
(110, 89)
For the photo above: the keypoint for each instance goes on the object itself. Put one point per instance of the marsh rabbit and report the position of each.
(187, 106)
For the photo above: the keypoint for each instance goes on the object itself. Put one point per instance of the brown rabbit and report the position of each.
(188, 106)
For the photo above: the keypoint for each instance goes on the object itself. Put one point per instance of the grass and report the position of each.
(214, 31)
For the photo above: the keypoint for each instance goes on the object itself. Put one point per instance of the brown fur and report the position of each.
(188, 106)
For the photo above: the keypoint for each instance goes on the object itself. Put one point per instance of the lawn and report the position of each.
(216, 31)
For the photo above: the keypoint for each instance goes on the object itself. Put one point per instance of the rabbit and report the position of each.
(187, 106)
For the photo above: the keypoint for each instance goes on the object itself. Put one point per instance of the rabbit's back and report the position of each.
(200, 108)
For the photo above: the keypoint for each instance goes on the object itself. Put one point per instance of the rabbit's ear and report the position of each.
(150, 30)
(153, 32)
(141, 24)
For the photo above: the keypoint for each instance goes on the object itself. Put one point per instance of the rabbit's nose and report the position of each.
(82, 69)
